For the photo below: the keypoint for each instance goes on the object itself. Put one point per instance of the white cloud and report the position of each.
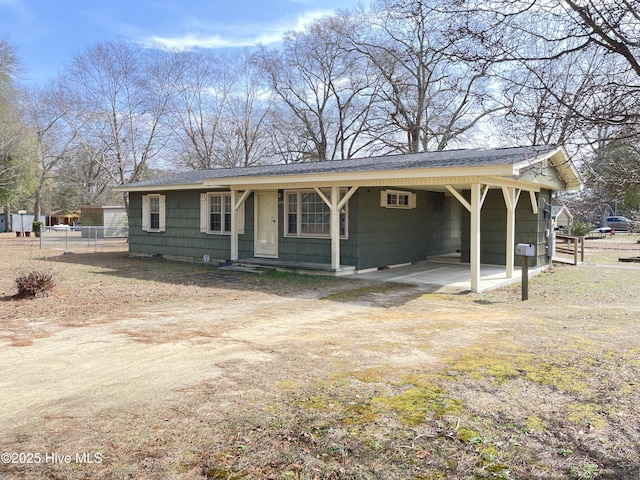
(233, 36)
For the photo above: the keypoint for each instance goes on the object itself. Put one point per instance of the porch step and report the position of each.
(241, 268)
(446, 258)
(298, 267)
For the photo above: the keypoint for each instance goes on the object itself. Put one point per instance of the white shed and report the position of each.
(110, 221)
(562, 218)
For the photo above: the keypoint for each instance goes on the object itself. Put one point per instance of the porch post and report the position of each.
(234, 227)
(335, 228)
(335, 205)
(511, 196)
(235, 207)
(476, 206)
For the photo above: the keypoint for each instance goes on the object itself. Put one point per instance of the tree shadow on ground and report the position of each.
(281, 283)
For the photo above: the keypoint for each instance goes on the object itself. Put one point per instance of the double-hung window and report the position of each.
(153, 213)
(215, 214)
(309, 216)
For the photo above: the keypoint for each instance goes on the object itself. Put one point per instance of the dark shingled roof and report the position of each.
(442, 159)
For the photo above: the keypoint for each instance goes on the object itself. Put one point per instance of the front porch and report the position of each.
(443, 273)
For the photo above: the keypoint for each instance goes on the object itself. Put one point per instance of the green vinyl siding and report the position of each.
(392, 236)
(530, 228)
(315, 250)
(182, 238)
(377, 236)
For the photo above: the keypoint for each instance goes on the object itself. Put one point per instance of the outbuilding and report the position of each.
(562, 218)
(104, 221)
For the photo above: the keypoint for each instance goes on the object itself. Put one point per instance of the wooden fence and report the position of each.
(569, 245)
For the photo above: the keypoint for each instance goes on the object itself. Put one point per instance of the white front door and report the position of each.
(266, 224)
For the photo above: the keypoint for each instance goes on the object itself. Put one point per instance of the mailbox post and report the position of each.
(525, 250)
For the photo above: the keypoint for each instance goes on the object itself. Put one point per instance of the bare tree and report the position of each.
(432, 96)
(327, 89)
(122, 93)
(46, 112)
(81, 179)
(527, 31)
(246, 117)
(198, 104)
(542, 96)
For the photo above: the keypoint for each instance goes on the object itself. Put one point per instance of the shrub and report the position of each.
(580, 229)
(37, 228)
(35, 283)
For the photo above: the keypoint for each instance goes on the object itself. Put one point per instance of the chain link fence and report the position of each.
(94, 238)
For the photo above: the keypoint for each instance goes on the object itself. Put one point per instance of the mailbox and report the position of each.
(525, 249)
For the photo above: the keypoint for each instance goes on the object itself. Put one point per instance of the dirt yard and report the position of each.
(144, 368)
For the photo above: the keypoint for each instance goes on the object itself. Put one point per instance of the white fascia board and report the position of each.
(559, 158)
(533, 160)
(568, 171)
(361, 177)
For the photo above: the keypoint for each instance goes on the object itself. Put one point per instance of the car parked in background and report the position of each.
(61, 228)
(624, 224)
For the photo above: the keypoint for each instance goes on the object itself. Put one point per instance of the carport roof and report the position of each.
(464, 160)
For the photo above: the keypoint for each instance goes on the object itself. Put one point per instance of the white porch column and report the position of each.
(476, 207)
(235, 207)
(335, 228)
(335, 205)
(478, 194)
(511, 196)
(234, 226)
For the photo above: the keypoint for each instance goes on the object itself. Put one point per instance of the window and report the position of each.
(309, 216)
(397, 199)
(153, 213)
(215, 214)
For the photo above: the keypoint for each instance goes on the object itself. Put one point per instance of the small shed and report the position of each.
(104, 221)
(562, 218)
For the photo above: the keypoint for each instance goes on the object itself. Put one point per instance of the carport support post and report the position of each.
(476, 206)
(511, 196)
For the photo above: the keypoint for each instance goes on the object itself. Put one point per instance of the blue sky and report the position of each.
(49, 33)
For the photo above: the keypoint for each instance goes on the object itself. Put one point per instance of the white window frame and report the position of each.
(392, 199)
(205, 213)
(299, 213)
(146, 213)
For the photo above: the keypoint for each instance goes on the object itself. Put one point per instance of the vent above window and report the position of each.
(397, 199)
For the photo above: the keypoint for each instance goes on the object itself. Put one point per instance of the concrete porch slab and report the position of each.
(449, 276)
(442, 273)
